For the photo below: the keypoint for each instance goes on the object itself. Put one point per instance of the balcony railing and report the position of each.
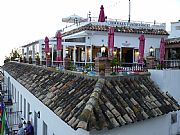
(172, 64)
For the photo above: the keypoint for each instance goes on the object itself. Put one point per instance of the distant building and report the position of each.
(172, 44)
(175, 30)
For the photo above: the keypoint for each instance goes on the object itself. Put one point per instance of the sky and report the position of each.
(24, 21)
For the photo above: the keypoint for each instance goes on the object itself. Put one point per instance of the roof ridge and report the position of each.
(91, 103)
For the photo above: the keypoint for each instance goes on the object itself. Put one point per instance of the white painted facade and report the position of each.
(55, 126)
(100, 38)
(154, 126)
(169, 80)
(175, 30)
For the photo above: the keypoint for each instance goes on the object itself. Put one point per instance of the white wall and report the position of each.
(154, 126)
(132, 40)
(169, 80)
(54, 123)
(174, 33)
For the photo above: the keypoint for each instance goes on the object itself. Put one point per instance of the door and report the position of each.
(127, 56)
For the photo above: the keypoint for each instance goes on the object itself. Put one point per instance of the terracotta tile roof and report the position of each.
(89, 103)
(93, 27)
(172, 41)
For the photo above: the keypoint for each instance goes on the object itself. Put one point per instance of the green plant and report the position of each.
(114, 73)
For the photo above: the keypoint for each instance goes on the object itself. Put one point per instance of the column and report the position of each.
(33, 54)
(52, 50)
(85, 54)
(27, 54)
(74, 54)
(22, 57)
(120, 55)
(91, 54)
(22, 52)
(64, 52)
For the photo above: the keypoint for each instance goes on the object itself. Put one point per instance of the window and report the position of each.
(18, 101)
(12, 91)
(157, 53)
(44, 128)
(24, 108)
(29, 112)
(15, 95)
(82, 40)
(177, 27)
(21, 103)
(173, 118)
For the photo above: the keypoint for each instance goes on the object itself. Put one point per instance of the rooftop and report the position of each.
(172, 41)
(121, 29)
(94, 103)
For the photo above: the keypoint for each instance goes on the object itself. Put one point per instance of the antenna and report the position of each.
(129, 11)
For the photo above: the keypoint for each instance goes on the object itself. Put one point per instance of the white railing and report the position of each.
(172, 64)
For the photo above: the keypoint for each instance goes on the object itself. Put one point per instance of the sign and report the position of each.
(126, 43)
(127, 24)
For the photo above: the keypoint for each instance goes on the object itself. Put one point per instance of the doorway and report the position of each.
(127, 56)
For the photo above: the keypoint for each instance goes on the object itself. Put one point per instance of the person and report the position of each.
(29, 129)
(21, 129)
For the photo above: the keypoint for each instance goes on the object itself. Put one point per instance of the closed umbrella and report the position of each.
(46, 50)
(111, 41)
(59, 46)
(141, 49)
(101, 15)
(162, 51)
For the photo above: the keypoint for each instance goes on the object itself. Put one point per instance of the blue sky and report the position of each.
(24, 21)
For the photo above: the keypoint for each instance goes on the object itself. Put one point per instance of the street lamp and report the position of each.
(103, 49)
(151, 49)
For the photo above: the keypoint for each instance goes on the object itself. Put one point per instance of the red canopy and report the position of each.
(141, 49)
(46, 50)
(111, 41)
(162, 50)
(59, 46)
(101, 15)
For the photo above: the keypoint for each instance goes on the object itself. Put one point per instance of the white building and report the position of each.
(72, 104)
(172, 44)
(175, 29)
(83, 41)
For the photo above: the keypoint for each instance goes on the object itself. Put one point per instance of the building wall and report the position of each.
(175, 30)
(169, 80)
(54, 123)
(127, 40)
(154, 126)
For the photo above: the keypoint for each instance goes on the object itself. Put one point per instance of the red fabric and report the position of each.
(141, 49)
(46, 45)
(59, 46)
(101, 15)
(111, 41)
(59, 40)
(162, 50)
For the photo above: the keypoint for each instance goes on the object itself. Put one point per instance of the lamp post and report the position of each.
(103, 49)
(151, 49)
